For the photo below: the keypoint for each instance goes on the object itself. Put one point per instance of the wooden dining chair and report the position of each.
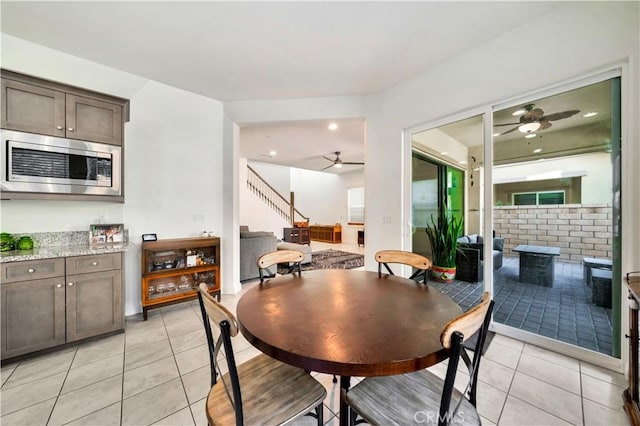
(419, 396)
(420, 263)
(261, 390)
(292, 257)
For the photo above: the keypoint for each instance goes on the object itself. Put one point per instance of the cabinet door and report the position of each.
(32, 316)
(93, 120)
(32, 109)
(94, 304)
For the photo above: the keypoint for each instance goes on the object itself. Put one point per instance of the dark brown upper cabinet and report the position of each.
(39, 106)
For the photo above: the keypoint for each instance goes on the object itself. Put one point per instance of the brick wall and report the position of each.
(579, 230)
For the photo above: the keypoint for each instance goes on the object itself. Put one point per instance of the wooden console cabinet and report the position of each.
(326, 233)
(43, 307)
(172, 270)
(296, 235)
(630, 395)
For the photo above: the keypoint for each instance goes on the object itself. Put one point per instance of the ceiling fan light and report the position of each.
(518, 112)
(530, 135)
(529, 127)
(590, 114)
(337, 165)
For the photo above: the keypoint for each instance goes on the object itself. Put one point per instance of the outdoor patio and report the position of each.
(563, 312)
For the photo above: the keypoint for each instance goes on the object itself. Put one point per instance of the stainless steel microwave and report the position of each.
(48, 164)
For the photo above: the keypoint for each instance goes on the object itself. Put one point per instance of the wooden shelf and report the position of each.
(166, 278)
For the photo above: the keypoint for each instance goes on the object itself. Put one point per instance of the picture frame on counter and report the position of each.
(106, 233)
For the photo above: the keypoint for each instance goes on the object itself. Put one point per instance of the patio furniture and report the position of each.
(347, 322)
(470, 257)
(420, 263)
(537, 264)
(259, 391)
(418, 394)
(601, 286)
(592, 262)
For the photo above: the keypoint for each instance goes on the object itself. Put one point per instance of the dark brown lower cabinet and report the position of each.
(41, 307)
(33, 316)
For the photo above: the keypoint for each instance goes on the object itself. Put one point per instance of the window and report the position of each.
(538, 198)
(355, 205)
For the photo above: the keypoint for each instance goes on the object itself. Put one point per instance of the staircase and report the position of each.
(272, 198)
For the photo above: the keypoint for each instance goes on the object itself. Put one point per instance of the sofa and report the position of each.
(254, 244)
(470, 257)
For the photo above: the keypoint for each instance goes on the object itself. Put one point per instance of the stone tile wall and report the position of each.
(579, 230)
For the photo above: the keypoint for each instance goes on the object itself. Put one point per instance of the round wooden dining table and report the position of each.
(347, 323)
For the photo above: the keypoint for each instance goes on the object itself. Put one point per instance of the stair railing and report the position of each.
(272, 198)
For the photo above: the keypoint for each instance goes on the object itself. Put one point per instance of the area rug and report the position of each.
(330, 259)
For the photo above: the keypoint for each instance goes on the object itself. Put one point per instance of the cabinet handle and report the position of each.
(58, 285)
(71, 129)
(31, 270)
(94, 263)
(70, 284)
(59, 127)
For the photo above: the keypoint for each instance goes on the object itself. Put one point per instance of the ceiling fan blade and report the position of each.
(560, 115)
(328, 167)
(507, 124)
(544, 124)
(352, 163)
(509, 131)
(330, 159)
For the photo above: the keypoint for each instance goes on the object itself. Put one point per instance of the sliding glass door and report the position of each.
(554, 174)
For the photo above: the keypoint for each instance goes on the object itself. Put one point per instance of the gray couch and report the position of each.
(254, 244)
(470, 257)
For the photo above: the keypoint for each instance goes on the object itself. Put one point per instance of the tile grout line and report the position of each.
(184, 389)
(515, 370)
(75, 353)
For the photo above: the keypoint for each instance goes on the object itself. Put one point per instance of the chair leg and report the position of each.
(335, 379)
(320, 414)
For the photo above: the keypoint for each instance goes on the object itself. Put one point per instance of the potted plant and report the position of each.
(443, 235)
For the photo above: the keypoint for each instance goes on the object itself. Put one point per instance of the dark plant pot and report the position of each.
(443, 274)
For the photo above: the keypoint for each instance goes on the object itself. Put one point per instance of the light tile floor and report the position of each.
(157, 373)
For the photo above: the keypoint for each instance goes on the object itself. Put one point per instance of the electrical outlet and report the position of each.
(386, 220)
(199, 217)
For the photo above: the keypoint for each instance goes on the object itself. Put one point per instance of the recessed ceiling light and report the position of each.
(444, 153)
(590, 114)
(518, 112)
(333, 126)
(530, 135)
(272, 152)
(537, 150)
(463, 162)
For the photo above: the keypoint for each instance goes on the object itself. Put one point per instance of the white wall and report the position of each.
(595, 184)
(321, 196)
(173, 159)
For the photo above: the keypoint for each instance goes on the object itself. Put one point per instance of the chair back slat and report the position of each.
(216, 312)
(292, 257)
(455, 332)
(407, 258)
(420, 263)
(279, 256)
(468, 323)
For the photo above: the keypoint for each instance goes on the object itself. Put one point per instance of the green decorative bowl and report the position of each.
(25, 243)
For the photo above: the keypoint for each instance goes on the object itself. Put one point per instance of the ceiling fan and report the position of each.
(337, 162)
(534, 119)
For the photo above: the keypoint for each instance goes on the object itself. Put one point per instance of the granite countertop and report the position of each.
(49, 245)
(61, 251)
